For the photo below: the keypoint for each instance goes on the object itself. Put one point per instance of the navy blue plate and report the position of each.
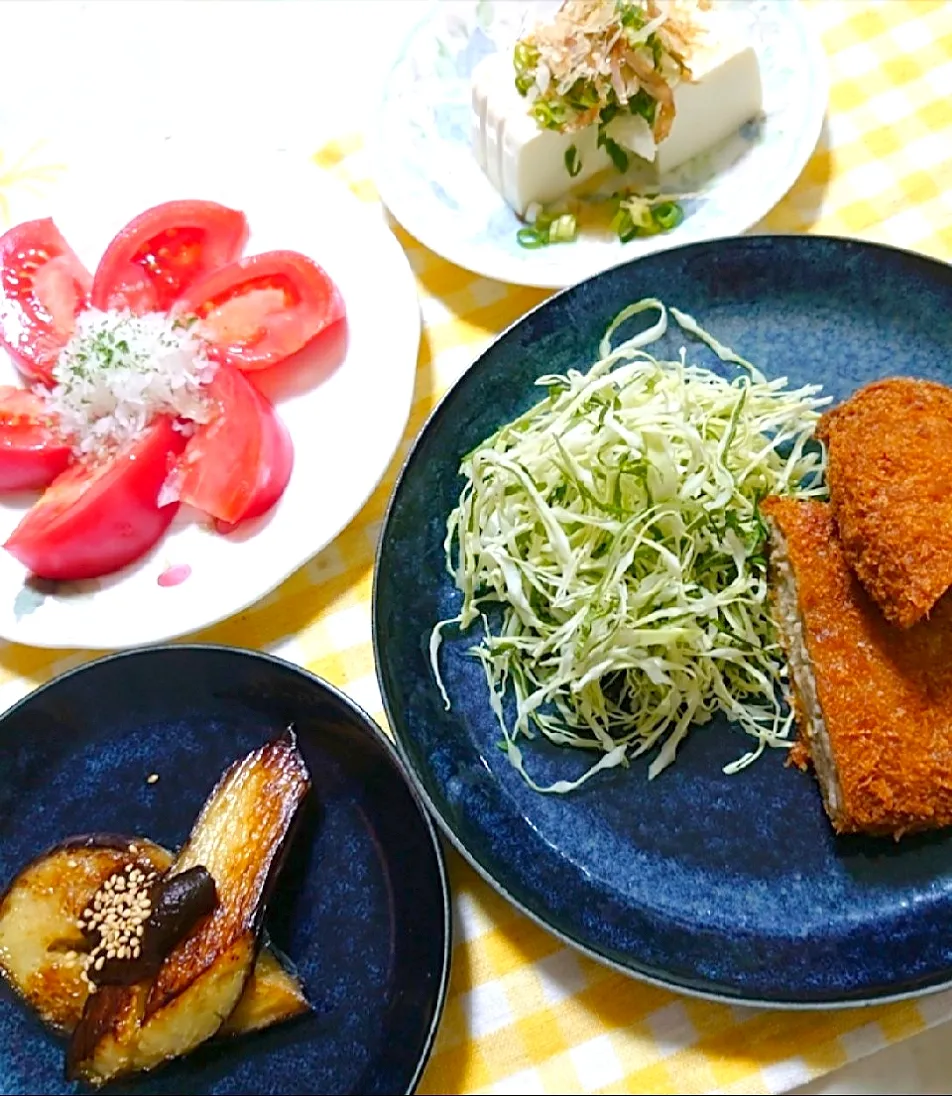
(361, 906)
(728, 886)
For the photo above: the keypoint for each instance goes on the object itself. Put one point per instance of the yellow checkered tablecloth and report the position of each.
(524, 1013)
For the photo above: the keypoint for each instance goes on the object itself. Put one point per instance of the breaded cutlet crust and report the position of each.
(889, 472)
(885, 692)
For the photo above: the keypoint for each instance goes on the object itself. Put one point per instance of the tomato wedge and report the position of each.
(164, 251)
(261, 309)
(237, 465)
(43, 287)
(97, 517)
(32, 451)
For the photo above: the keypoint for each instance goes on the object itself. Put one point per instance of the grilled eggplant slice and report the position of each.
(239, 837)
(41, 947)
(273, 994)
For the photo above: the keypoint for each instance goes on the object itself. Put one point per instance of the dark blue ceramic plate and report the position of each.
(361, 906)
(731, 886)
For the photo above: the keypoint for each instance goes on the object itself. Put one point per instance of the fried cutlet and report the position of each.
(873, 702)
(889, 472)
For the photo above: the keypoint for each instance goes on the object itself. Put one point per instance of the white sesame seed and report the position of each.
(110, 952)
(152, 778)
(99, 963)
(140, 929)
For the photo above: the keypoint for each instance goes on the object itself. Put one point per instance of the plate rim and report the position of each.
(375, 734)
(523, 274)
(408, 289)
(484, 870)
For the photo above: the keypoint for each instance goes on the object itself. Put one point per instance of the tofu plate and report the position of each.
(463, 163)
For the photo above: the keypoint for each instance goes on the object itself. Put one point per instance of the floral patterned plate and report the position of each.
(431, 182)
(345, 403)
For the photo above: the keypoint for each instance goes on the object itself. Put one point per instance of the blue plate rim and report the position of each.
(377, 735)
(481, 869)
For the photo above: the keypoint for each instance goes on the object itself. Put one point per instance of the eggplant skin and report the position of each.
(240, 837)
(38, 915)
(113, 1039)
(40, 940)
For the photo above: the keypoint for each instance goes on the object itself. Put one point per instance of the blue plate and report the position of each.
(361, 906)
(728, 886)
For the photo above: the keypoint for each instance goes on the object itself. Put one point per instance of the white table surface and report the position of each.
(277, 67)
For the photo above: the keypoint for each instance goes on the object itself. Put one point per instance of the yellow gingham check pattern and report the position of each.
(524, 1013)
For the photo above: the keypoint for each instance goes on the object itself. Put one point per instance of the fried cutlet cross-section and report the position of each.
(890, 477)
(873, 702)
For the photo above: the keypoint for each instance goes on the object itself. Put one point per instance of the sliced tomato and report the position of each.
(164, 251)
(32, 451)
(97, 517)
(261, 309)
(237, 465)
(43, 287)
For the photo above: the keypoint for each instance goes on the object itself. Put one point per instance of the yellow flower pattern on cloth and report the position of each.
(24, 173)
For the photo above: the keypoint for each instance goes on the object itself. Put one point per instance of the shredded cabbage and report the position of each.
(610, 545)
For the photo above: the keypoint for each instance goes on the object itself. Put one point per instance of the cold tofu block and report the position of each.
(726, 92)
(526, 164)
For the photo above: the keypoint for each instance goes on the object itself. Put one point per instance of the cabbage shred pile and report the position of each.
(609, 544)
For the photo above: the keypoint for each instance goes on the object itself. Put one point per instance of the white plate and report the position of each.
(430, 181)
(345, 404)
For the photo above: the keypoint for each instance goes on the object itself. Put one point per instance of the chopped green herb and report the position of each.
(573, 162)
(667, 215)
(531, 238)
(588, 62)
(548, 115)
(637, 215)
(548, 228)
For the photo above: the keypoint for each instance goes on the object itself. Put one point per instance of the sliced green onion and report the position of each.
(573, 162)
(623, 226)
(525, 57)
(636, 215)
(548, 228)
(617, 155)
(563, 230)
(548, 115)
(643, 104)
(667, 215)
(531, 237)
(630, 14)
